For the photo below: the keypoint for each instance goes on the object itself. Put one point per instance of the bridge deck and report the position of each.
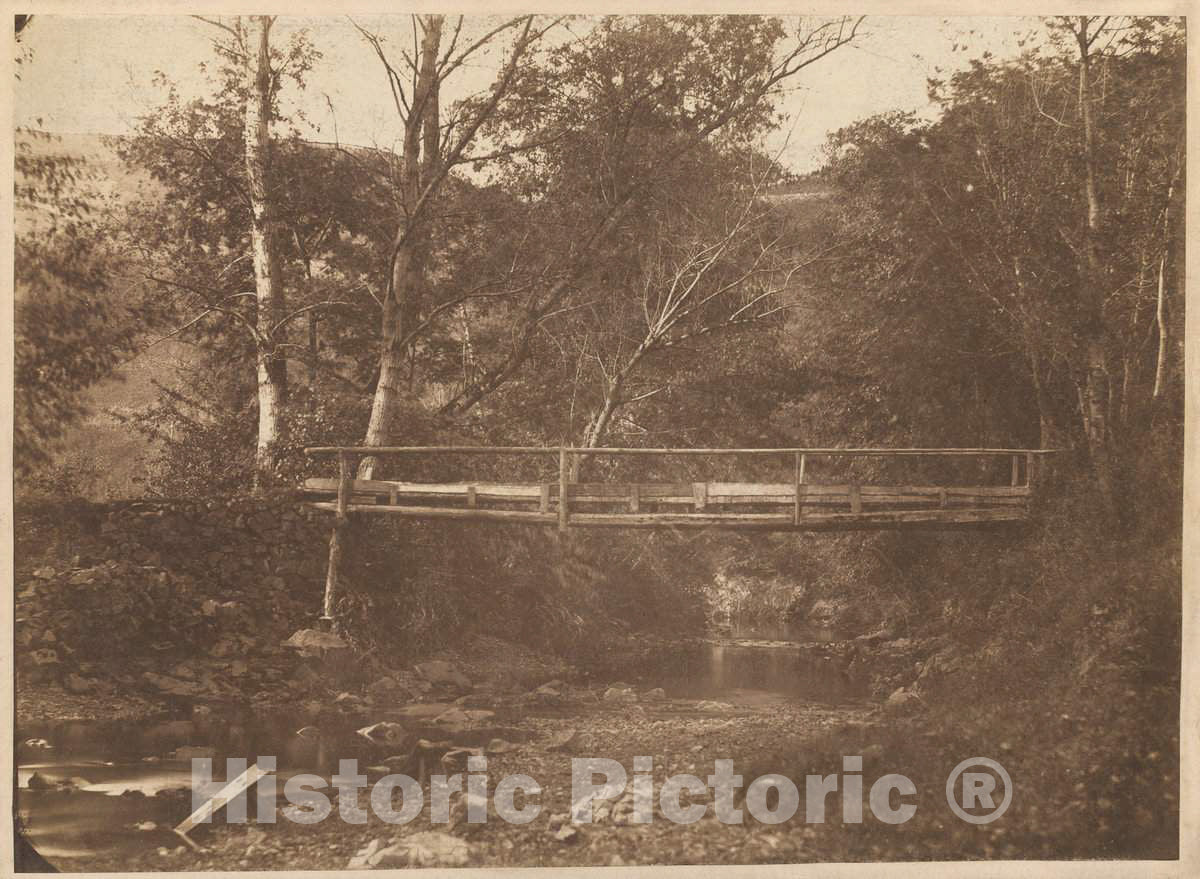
(799, 505)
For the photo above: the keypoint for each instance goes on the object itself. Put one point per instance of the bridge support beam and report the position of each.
(798, 513)
(562, 488)
(341, 520)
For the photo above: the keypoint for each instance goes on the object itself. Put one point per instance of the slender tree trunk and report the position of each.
(1096, 374)
(272, 366)
(1047, 433)
(313, 350)
(1160, 314)
(598, 426)
(411, 246)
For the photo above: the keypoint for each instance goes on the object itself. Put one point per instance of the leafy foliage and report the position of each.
(71, 328)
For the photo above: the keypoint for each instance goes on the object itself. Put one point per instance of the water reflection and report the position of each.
(753, 662)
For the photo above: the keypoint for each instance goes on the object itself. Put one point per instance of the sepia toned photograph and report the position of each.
(597, 440)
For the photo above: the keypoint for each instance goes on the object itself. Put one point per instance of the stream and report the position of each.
(88, 788)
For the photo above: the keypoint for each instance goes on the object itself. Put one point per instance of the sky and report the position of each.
(96, 74)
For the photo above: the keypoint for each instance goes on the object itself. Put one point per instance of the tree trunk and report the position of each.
(272, 366)
(1096, 373)
(411, 247)
(1160, 314)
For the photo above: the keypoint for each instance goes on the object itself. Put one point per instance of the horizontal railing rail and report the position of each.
(610, 450)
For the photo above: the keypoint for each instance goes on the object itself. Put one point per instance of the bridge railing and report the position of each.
(567, 500)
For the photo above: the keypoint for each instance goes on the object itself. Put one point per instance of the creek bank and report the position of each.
(542, 732)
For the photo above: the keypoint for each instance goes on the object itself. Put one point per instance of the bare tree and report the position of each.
(693, 281)
(431, 150)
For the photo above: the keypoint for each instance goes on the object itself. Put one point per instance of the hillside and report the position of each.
(101, 457)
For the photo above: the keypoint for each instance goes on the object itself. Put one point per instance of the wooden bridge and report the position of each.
(823, 491)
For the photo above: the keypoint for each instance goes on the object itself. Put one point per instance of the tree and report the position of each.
(71, 328)
(431, 150)
(610, 121)
(246, 208)
(714, 258)
(268, 286)
(978, 227)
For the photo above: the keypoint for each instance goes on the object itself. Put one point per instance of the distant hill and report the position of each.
(102, 455)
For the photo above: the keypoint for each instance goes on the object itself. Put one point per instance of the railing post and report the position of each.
(562, 488)
(332, 579)
(799, 510)
(1029, 470)
(1016, 470)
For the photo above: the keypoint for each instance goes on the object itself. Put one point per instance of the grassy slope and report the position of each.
(101, 456)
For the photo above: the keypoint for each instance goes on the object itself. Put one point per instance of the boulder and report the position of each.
(562, 739)
(442, 673)
(452, 717)
(900, 699)
(500, 746)
(313, 642)
(78, 685)
(429, 848)
(476, 700)
(386, 732)
(657, 694)
(172, 686)
(45, 656)
(194, 752)
(455, 759)
(388, 689)
(618, 694)
(362, 858)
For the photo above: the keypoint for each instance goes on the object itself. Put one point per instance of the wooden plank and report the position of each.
(989, 490)
(784, 521)
(986, 501)
(490, 490)
(765, 521)
(859, 452)
(700, 492)
(674, 492)
(432, 450)
(563, 496)
(620, 490)
(785, 489)
(481, 513)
